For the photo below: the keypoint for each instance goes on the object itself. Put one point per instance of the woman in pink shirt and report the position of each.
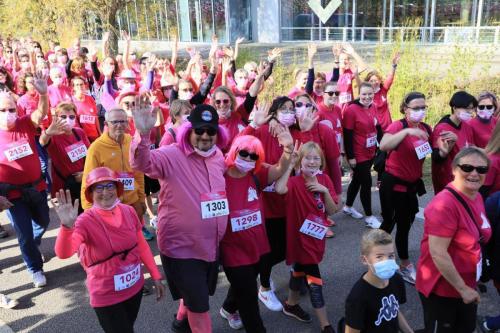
(111, 248)
(483, 124)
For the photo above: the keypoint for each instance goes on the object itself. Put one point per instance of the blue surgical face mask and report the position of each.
(385, 269)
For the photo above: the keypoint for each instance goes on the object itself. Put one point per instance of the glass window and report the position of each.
(369, 13)
(409, 13)
(491, 13)
(207, 20)
(453, 13)
(220, 19)
(240, 22)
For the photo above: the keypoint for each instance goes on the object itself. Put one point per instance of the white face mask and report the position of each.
(57, 81)
(242, 83)
(70, 122)
(96, 205)
(186, 96)
(286, 119)
(185, 117)
(417, 116)
(207, 153)
(310, 172)
(484, 114)
(244, 166)
(7, 119)
(25, 65)
(464, 116)
(127, 87)
(129, 113)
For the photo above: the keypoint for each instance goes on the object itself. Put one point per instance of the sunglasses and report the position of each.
(210, 131)
(223, 101)
(418, 108)
(8, 110)
(485, 107)
(331, 93)
(300, 104)
(66, 116)
(117, 122)
(99, 188)
(469, 168)
(187, 89)
(244, 153)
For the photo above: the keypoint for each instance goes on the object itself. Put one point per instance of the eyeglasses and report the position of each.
(129, 104)
(223, 101)
(8, 51)
(485, 107)
(284, 109)
(8, 110)
(99, 188)
(418, 108)
(118, 122)
(63, 116)
(300, 104)
(209, 130)
(331, 93)
(469, 168)
(244, 153)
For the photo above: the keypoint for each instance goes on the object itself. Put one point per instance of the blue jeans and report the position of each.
(30, 220)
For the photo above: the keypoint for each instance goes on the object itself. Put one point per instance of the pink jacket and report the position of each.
(184, 176)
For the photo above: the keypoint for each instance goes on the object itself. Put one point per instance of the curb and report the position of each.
(4, 328)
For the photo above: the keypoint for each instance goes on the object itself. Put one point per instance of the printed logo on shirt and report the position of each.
(389, 309)
(486, 223)
(252, 194)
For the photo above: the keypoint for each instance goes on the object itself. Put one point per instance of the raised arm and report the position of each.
(286, 141)
(40, 113)
(312, 49)
(175, 50)
(126, 52)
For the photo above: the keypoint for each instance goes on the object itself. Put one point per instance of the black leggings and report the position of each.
(398, 208)
(276, 233)
(361, 178)
(312, 276)
(120, 318)
(448, 315)
(242, 296)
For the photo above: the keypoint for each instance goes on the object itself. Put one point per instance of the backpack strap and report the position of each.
(467, 208)
(172, 132)
(257, 182)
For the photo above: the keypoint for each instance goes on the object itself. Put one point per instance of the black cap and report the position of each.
(462, 99)
(204, 115)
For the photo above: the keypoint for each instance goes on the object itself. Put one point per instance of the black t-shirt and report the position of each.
(372, 310)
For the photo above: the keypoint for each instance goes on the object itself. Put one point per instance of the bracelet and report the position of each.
(394, 65)
(288, 151)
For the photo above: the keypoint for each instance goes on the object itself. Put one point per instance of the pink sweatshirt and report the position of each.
(58, 94)
(184, 177)
(98, 234)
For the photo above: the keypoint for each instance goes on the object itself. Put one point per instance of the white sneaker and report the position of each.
(352, 212)
(154, 223)
(233, 319)
(270, 300)
(39, 279)
(7, 303)
(372, 222)
(271, 284)
(408, 273)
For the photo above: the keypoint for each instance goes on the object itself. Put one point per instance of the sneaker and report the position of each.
(7, 303)
(181, 326)
(296, 312)
(3, 232)
(147, 234)
(328, 329)
(329, 233)
(481, 324)
(39, 279)
(146, 291)
(408, 273)
(352, 212)
(270, 300)
(372, 222)
(154, 223)
(233, 319)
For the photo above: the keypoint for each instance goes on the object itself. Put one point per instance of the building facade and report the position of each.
(275, 21)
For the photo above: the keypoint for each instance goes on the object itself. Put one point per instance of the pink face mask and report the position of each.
(310, 172)
(25, 65)
(57, 81)
(484, 114)
(252, 75)
(244, 166)
(286, 119)
(186, 96)
(464, 116)
(7, 119)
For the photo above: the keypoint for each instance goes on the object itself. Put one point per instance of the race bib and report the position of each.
(345, 98)
(87, 119)
(76, 151)
(245, 219)
(422, 149)
(127, 179)
(17, 150)
(214, 205)
(371, 141)
(313, 226)
(128, 279)
(479, 268)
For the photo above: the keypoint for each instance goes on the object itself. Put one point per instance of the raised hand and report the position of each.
(151, 63)
(337, 49)
(57, 127)
(226, 65)
(261, 116)
(107, 70)
(214, 46)
(105, 37)
(66, 211)
(348, 49)
(396, 58)
(275, 128)
(125, 36)
(307, 121)
(274, 54)
(144, 115)
(312, 49)
(285, 139)
(40, 82)
(92, 54)
(168, 79)
(229, 52)
(240, 40)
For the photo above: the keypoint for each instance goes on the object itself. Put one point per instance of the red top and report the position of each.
(245, 247)
(331, 117)
(344, 86)
(446, 217)
(301, 248)
(27, 103)
(274, 203)
(363, 124)
(493, 175)
(87, 116)
(403, 161)
(294, 92)
(96, 236)
(380, 101)
(441, 171)
(482, 131)
(61, 154)
(18, 145)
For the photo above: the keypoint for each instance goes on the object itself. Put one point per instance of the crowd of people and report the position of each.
(242, 185)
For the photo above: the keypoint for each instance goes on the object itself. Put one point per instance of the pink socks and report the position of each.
(182, 311)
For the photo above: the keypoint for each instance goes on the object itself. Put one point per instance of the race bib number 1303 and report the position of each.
(214, 204)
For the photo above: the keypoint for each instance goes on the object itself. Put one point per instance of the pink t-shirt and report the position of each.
(58, 94)
(482, 131)
(493, 175)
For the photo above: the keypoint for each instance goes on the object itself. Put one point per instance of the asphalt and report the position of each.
(63, 305)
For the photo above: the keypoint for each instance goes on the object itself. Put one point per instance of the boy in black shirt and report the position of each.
(373, 303)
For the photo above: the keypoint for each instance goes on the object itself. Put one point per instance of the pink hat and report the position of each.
(99, 175)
